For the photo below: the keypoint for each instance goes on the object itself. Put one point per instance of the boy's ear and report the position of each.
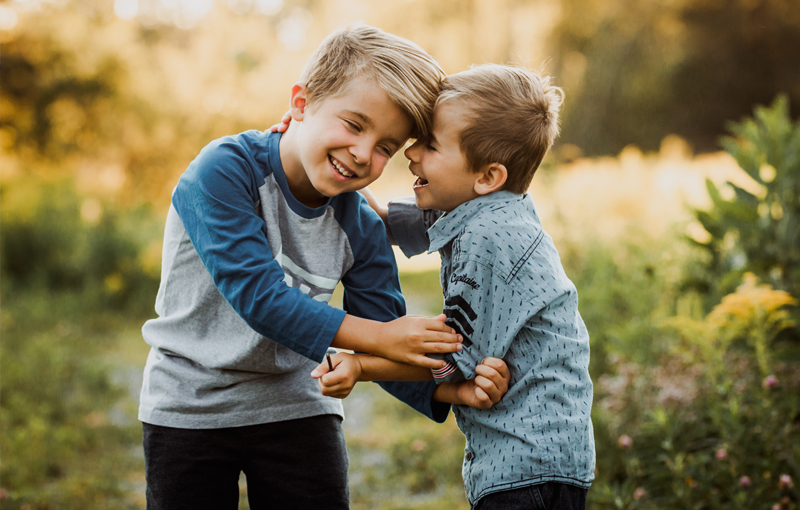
(298, 102)
(490, 178)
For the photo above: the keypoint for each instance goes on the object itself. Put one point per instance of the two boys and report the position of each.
(261, 229)
(504, 287)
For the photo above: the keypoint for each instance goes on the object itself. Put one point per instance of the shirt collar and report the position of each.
(450, 224)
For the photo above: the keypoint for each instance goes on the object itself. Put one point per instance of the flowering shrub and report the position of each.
(728, 440)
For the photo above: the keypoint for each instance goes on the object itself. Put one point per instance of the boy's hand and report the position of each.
(408, 340)
(339, 382)
(382, 211)
(283, 125)
(490, 384)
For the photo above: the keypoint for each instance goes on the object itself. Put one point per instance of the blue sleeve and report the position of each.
(372, 291)
(409, 225)
(216, 200)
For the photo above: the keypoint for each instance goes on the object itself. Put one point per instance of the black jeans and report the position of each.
(299, 464)
(545, 496)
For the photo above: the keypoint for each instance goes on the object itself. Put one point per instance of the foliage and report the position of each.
(400, 459)
(70, 286)
(636, 70)
(46, 242)
(755, 230)
(67, 426)
(713, 426)
(624, 291)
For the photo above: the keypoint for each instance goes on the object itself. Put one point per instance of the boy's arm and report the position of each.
(215, 201)
(488, 387)
(409, 225)
(380, 209)
(372, 289)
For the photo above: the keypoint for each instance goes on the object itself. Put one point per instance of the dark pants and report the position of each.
(299, 464)
(545, 496)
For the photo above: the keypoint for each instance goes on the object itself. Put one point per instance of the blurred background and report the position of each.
(673, 195)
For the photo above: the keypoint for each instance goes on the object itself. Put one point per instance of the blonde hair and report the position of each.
(512, 118)
(409, 76)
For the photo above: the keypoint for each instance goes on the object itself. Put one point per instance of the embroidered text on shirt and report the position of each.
(463, 278)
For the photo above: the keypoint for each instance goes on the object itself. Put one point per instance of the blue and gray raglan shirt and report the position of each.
(246, 275)
(506, 292)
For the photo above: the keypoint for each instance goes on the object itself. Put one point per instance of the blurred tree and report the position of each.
(636, 71)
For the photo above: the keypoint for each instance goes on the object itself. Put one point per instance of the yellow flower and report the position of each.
(752, 306)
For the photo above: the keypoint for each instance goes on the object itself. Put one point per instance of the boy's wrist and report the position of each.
(357, 334)
(448, 393)
(358, 367)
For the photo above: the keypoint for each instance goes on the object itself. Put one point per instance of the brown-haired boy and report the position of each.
(504, 288)
(261, 229)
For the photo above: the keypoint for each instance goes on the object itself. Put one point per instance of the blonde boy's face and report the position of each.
(344, 142)
(444, 180)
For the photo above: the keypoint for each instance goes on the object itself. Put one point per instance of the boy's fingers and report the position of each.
(485, 383)
(321, 370)
(439, 348)
(434, 324)
(489, 373)
(489, 387)
(498, 365)
(482, 396)
(424, 361)
(495, 388)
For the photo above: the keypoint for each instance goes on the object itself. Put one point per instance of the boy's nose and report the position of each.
(360, 154)
(412, 152)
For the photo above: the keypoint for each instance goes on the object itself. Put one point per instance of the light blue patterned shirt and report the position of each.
(506, 292)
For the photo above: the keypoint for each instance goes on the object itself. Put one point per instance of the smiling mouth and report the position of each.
(420, 183)
(343, 171)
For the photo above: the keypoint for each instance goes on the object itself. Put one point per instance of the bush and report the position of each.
(72, 280)
(713, 425)
(56, 240)
(755, 230)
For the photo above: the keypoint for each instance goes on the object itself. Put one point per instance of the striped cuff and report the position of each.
(441, 373)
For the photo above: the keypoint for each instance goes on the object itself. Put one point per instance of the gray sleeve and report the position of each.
(409, 225)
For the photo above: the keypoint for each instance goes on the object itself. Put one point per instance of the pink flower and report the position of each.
(785, 482)
(776, 506)
(721, 454)
(770, 382)
(639, 493)
(745, 481)
(625, 441)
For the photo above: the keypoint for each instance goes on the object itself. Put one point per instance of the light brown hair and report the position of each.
(405, 71)
(512, 118)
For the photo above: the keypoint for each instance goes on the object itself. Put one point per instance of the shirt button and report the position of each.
(469, 455)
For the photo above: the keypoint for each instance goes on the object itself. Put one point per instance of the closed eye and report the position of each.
(355, 127)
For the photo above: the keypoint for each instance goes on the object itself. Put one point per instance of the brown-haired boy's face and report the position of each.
(444, 180)
(344, 142)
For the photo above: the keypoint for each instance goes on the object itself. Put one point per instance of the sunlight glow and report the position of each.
(8, 18)
(239, 7)
(292, 30)
(269, 7)
(126, 9)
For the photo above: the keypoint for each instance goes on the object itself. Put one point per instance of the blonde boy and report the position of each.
(261, 229)
(504, 287)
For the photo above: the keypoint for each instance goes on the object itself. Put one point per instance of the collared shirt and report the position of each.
(506, 292)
